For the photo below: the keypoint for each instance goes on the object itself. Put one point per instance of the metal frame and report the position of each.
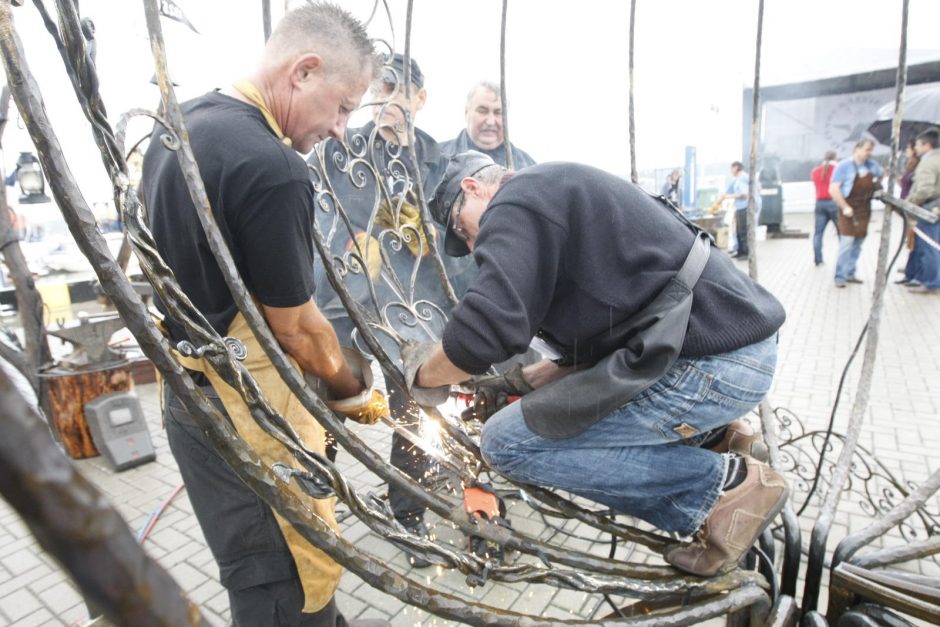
(664, 596)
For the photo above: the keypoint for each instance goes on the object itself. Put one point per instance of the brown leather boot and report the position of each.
(742, 439)
(738, 518)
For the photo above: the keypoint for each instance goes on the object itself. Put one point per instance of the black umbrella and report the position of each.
(921, 111)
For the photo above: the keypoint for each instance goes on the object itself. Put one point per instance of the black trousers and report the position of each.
(255, 565)
(740, 222)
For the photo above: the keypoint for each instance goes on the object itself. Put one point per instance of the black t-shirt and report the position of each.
(262, 200)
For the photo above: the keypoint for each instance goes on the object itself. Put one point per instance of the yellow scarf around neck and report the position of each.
(247, 89)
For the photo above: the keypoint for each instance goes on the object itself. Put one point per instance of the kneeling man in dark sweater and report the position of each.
(641, 410)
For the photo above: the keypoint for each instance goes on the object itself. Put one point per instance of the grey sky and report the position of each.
(567, 70)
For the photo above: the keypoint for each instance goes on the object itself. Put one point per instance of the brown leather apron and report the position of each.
(319, 574)
(859, 199)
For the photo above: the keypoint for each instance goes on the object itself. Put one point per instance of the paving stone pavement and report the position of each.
(822, 326)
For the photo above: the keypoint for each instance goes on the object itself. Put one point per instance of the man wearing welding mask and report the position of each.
(661, 346)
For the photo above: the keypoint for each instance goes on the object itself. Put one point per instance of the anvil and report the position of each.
(90, 338)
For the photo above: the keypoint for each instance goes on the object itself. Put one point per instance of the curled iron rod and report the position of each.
(852, 543)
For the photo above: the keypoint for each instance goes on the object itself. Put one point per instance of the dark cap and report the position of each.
(458, 168)
(394, 71)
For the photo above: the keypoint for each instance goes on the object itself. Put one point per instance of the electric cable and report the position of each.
(152, 521)
(845, 372)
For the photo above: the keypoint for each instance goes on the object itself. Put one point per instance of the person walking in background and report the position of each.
(852, 186)
(907, 180)
(670, 189)
(826, 210)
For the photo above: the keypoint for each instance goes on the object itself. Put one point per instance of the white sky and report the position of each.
(566, 66)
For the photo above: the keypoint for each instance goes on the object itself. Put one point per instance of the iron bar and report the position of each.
(792, 539)
(820, 533)
(426, 220)
(75, 524)
(751, 214)
(504, 101)
(634, 176)
(897, 554)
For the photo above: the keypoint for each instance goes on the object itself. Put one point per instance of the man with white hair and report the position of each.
(246, 139)
(484, 132)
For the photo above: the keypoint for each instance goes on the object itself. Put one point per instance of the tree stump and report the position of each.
(69, 390)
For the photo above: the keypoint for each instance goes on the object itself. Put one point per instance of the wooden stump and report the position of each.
(70, 390)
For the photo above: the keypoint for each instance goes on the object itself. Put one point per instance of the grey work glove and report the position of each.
(493, 392)
(413, 356)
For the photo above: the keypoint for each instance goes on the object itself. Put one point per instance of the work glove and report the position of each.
(413, 356)
(366, 408)
(368, 248)
(408, 216)
(492, 393)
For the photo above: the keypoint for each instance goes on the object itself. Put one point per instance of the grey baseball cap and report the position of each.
(458, 168)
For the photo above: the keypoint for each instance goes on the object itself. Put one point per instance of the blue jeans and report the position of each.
(636, 460)
(928, 268)
(849, 250)
(826, 212)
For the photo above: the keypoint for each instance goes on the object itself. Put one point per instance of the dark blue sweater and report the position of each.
(567, 251)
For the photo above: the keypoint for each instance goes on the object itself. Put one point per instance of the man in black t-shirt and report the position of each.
(245, 139)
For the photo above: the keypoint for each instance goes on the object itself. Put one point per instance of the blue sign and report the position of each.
(689, 187)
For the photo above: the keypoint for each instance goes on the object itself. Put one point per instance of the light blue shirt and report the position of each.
(847, 170)
(739, 185)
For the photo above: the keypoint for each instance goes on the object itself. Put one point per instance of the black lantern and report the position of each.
(29, 176)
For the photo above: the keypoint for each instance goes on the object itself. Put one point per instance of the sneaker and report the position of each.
(741, 439)
(840, 283)
(416, 528)
(852, 279)
(737, 520)
(902, 281)
(922, 289)
(914, 283)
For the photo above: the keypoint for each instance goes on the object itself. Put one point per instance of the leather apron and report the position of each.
(319, 574)
(859, 199)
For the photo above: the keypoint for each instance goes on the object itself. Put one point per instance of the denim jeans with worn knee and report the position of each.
(849, 250)
(638, 460)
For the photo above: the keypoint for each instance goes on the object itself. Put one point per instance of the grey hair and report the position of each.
(328, 30)
(488, 85)
(494, 174)
(865, 141)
